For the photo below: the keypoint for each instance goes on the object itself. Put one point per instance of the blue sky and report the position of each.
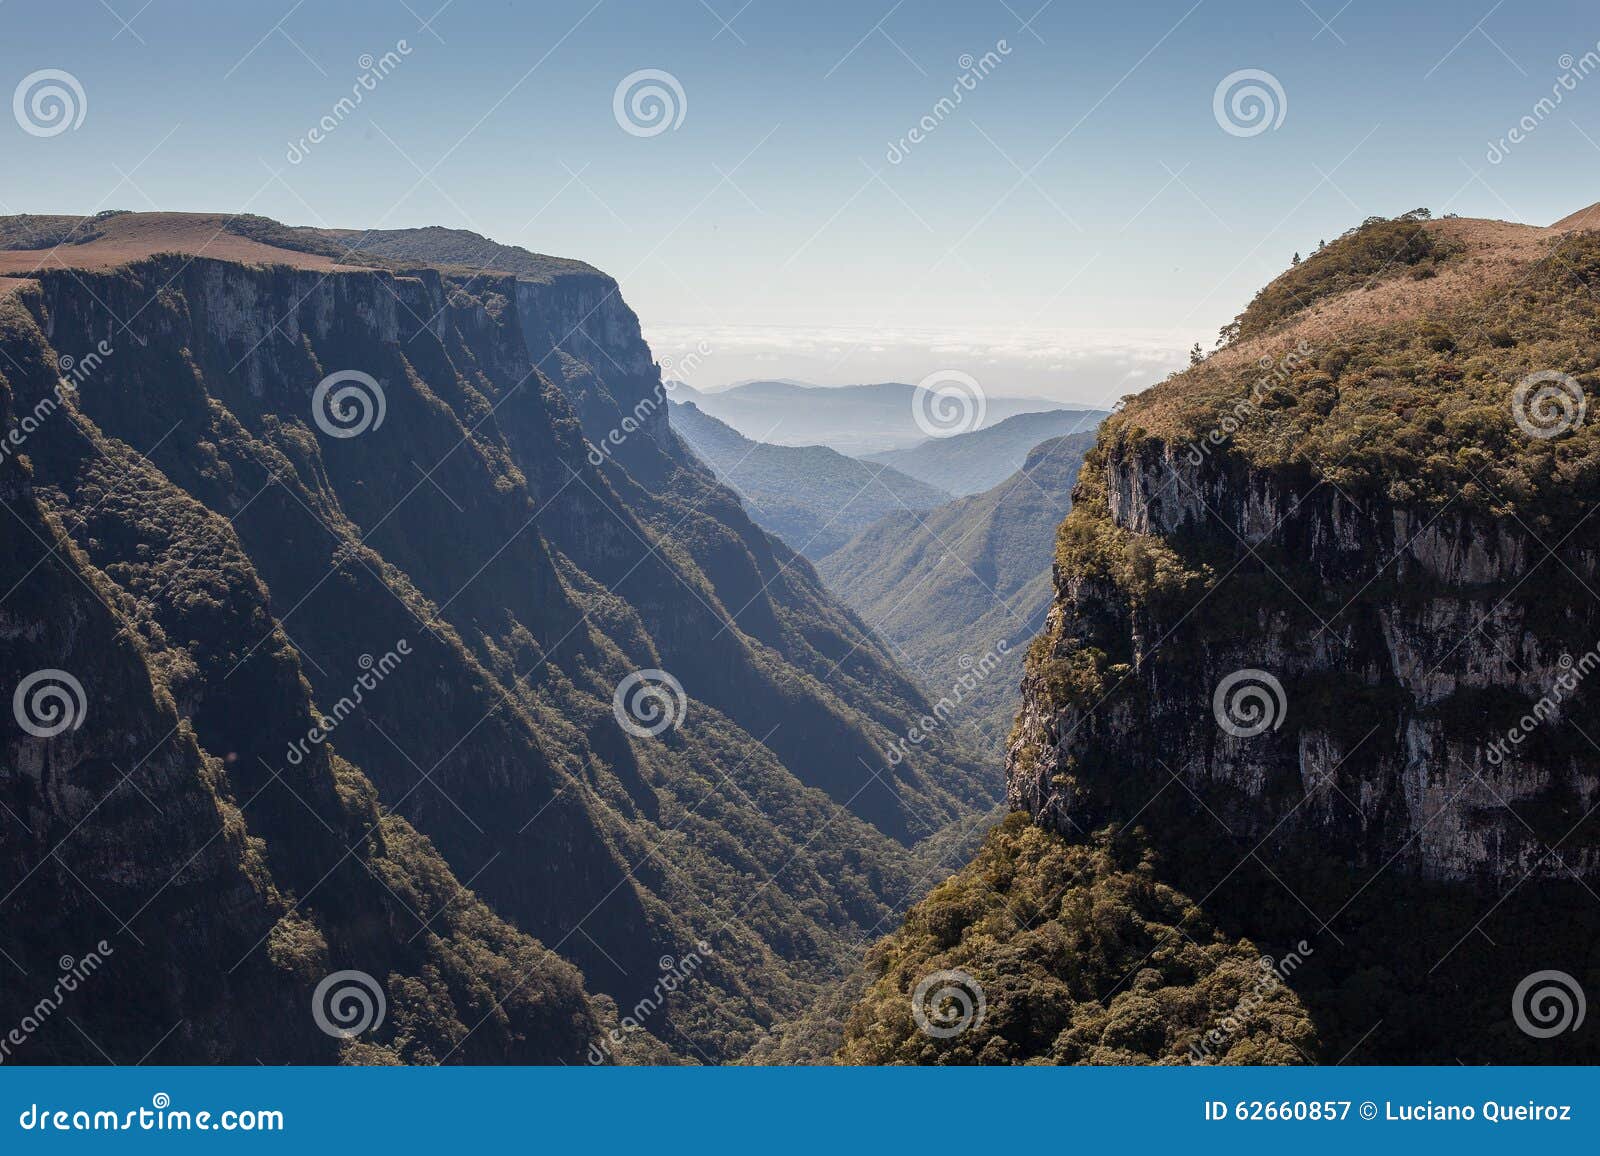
(1068, 230)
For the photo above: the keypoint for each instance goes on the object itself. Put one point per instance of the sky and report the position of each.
(1092, 206)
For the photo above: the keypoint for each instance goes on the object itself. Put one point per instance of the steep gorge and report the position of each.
(505, 576)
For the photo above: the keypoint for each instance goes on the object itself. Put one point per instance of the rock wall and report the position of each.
(1419, 655)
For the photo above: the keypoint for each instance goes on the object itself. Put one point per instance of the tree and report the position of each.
(1196, 355)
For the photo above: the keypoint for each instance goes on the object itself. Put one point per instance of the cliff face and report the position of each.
(466, 545)
(176, 889)
(1322, 647)
(1404, 642)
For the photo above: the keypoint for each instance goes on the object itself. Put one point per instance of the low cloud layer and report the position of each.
(1091, 366)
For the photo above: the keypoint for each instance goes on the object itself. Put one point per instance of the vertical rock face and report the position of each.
(1323, 656)
(1335, 585)
(1402, 641)
(173, 895)
(477, 824)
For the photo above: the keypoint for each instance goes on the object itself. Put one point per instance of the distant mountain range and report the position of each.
(814, 498)
(954, 585)
(853, 419)
(970, 463)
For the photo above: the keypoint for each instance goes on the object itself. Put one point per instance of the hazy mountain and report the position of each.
(812, 497)
(349, 669)
(953, 586)
(853, 419)
(970, 463)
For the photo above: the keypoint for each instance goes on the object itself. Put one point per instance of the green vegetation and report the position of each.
(528, 583)
(1347, 428)
(1083, 958)
(275, 874)
(1377, 249)
(950, 586)
(1418, 411)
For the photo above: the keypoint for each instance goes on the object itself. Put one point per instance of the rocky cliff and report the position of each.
(1322, 644)
(361, 562)
(1327, 591)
